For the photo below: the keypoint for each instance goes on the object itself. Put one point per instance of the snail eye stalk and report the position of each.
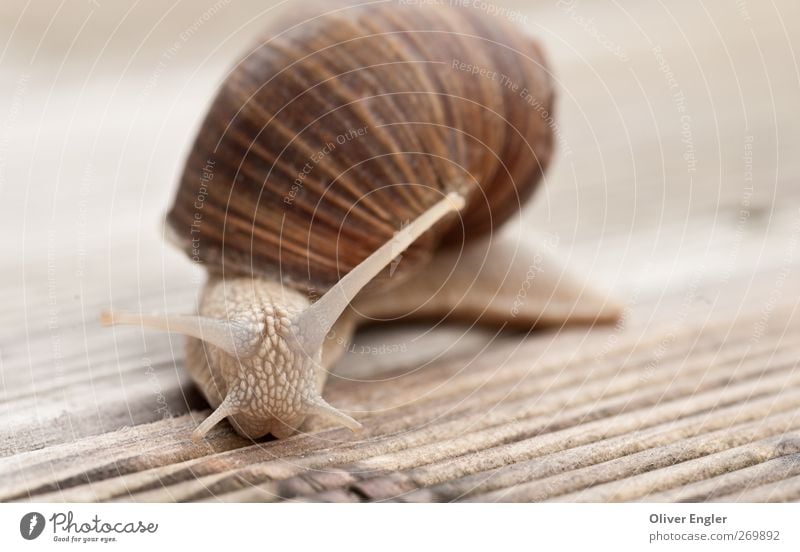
(318, 320)
(238, 339)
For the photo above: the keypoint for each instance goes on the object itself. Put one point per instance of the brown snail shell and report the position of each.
(327, 138)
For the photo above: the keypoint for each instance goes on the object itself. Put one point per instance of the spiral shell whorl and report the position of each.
(327, 139)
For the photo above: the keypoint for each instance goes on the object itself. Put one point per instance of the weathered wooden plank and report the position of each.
(707, 456)
(739, 482)
(561, 407)
(785, 490)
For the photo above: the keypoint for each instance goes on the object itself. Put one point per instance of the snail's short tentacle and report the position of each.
(318, 407)
(237, 338)
(228, 407)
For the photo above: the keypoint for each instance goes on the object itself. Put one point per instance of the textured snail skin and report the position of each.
(271, 379)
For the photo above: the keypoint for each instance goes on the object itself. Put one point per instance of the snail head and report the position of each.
(260, 345)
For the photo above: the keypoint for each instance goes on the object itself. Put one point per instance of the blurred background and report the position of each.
(675, 184)
(670, 117)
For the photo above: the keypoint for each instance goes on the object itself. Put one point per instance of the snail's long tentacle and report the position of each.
(316, 321)
(238, 339)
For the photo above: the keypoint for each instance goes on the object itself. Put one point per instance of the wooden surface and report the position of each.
(676, 187)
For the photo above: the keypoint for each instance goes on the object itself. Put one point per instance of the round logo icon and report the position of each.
(31, 525)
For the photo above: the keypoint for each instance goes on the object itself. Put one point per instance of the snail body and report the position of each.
(360, 150)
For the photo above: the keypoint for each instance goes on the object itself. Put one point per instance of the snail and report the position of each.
(351, 167)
